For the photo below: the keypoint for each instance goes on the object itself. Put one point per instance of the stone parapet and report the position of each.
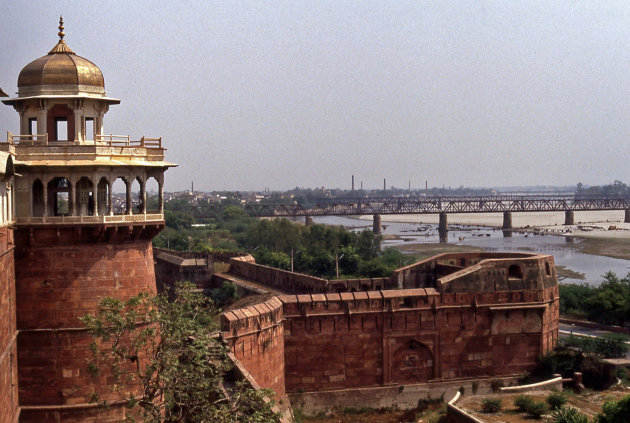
(255, 335)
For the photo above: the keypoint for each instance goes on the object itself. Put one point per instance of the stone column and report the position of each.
(377, 227)
(95, 196)
(42, 118)
(308, 220)
(78, 125)
(507, 221)
(143, 197)
(129, 197)
(110, 202)
(72, 206)
(569, 218)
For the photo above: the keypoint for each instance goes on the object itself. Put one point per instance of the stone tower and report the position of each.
(76, 240)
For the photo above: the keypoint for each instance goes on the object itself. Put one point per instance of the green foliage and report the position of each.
(226, 294)
(596, 374)
(568, 415)
(162, 352)
(523, 402)
(556, 400)
(536, 409)
(608, 303)
(490, 405)
(609, 346)
(614, 411)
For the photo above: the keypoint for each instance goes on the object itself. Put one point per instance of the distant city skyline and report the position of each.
(250, 95)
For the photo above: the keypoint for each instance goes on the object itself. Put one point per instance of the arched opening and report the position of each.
(412, 362)
(119, 196)
(152, 190)
(102, 190)
(38, 198)
(58, 191)
(515, 271)
(137, 196)
(85, 199)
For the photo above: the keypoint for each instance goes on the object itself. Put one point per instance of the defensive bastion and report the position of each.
(450, 320)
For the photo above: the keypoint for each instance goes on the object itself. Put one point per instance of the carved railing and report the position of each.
(107, 140)
(78, 220)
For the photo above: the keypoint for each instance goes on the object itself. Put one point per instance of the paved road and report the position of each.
(566, 330)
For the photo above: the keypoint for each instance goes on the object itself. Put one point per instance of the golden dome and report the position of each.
(61, 71)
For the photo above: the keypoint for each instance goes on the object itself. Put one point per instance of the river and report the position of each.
(565, 250)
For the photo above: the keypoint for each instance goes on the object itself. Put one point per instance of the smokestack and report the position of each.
(192, 187)
(361, 185)
(409, 186)
(384, 185)
(352, 182)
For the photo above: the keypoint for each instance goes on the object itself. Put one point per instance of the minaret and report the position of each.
(73, 247)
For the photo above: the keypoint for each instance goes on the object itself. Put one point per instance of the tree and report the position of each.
(163, 358)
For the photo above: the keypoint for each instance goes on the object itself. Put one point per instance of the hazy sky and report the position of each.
(248, 95)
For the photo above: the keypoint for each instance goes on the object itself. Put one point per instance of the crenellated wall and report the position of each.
(255, 335)
(498, 327)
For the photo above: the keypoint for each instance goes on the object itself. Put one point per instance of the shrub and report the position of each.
(569, 415)
(556, 400)
(522, 402)
(536, 409)
(490, 405)
(615, 411)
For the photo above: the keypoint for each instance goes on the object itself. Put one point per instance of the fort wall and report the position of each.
(255, 336)
(58, 281)
(478, 315)
(9, 409)
(291, 282)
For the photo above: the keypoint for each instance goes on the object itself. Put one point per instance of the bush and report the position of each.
(536, 409)
(490, 405)
(569, 415)
(522, 402)
(556, 400)
(615, 411)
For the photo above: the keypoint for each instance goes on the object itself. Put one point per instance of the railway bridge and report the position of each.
(442, 205)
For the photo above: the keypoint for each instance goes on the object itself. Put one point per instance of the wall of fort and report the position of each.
(9, 410)
(292, 282)
(59, 280)
(473, 316)
(195, 267)
(255, 336)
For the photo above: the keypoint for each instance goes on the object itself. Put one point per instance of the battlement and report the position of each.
(253, 319)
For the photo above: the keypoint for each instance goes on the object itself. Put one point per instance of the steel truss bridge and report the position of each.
(429, 205)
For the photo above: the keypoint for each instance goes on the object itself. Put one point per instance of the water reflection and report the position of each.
(565, 249)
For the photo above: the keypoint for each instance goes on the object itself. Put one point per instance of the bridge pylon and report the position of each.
(626, 217)
(569, 217)
(377, 226)
(507, 221)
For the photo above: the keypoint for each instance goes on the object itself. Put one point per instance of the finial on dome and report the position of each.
(61, 33)
(61, 46)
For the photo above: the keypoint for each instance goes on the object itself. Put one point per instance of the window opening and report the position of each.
(61, 129)
(89, 129)
(32, 126)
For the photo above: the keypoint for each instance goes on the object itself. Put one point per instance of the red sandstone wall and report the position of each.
(8, 334)
(298, 283)
(57, 282)
(361, 339)
(255, 335)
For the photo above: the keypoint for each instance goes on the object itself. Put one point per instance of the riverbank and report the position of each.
(597, 232)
